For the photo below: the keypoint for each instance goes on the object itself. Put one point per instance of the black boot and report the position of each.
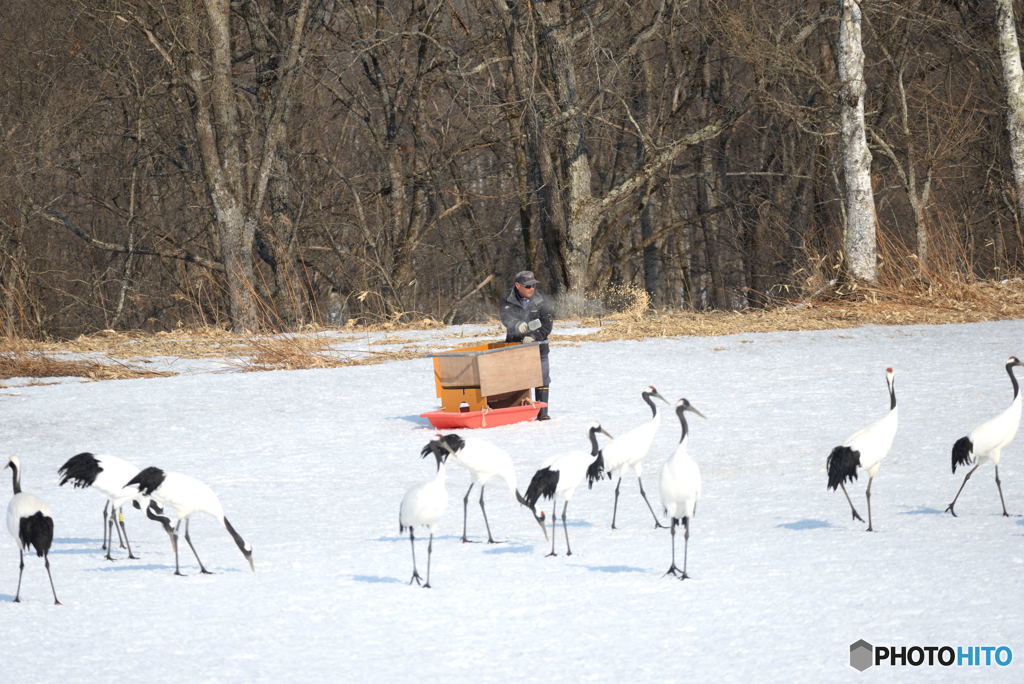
(541, 394)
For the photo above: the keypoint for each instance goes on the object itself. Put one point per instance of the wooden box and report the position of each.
(489, 376)
(494, 370)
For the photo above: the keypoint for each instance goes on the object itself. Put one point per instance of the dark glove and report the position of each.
(534, 324)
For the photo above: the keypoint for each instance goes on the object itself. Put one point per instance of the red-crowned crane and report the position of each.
(987, 441)
(184, 495)
(558, 478)
(107, 475)
(483, 460)
(681, 487)
(425, 503)
(864, 449)
(625, 454)
(31, 524)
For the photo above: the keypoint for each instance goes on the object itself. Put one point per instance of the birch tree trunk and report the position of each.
(1009, 53)
(859, 232)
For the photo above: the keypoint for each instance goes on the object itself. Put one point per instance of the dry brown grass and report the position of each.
(912, 302)
(29, 364)
(908, 298)
(296, 352)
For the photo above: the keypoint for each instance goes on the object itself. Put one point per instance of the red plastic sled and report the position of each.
(451, 420)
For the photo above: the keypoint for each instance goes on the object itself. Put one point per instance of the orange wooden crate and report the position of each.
(505, 372)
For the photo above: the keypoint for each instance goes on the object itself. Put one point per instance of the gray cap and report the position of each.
(526, 278)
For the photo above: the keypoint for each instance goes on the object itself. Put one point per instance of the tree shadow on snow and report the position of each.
(404, 537)
(76, 552)
(614, 568)
(509, 547)
(923, 510)
(572, 523)
(805, 524)
(185, 571)
(78, 540)
(115, 567)
(373, 579)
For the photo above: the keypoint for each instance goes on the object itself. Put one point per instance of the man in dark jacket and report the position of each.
(528, 316)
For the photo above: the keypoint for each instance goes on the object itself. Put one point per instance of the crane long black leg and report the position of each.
(430, 551)
(686, 546)
(867, 494)
(120, 521)
(106, 529)
(109, 536)
(999, 485)
(202, 568)
(46, 562)
(174, 544)
(490, 539)
(415, 574)
(856, 515)
(615, 509)
(966, 478)
(565, 528)
(554, 527)
(672, 569)
(21, 569)
(113, 516)
(465, 512)
(657, 523)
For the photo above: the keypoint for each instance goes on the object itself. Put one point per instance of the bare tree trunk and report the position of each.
(219, 135)
(539, 200)
(276, 229)
(129, 262)
(1009, 53)
(14, 277)
(556, 48)
(237, 184)
(708, 202)
(581, 213)
(859, 233)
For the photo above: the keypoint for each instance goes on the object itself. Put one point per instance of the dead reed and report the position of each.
(905, 295)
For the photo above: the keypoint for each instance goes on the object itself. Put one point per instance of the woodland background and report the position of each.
(268, 164)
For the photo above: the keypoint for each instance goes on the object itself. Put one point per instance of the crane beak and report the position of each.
(691, 408)
(538, 518)
(658, 395)
(606, 433)
(540, 521)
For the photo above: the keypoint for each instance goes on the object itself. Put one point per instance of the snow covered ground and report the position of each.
(311, 466)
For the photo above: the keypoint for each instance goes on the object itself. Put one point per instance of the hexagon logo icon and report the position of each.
(861, 655)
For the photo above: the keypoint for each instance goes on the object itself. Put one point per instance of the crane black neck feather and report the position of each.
(681, 412)
(650, 402)
(892, 395)
(594, 449)
(16, 478)
(437, 447)
(1013, 378)
(148, 480)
